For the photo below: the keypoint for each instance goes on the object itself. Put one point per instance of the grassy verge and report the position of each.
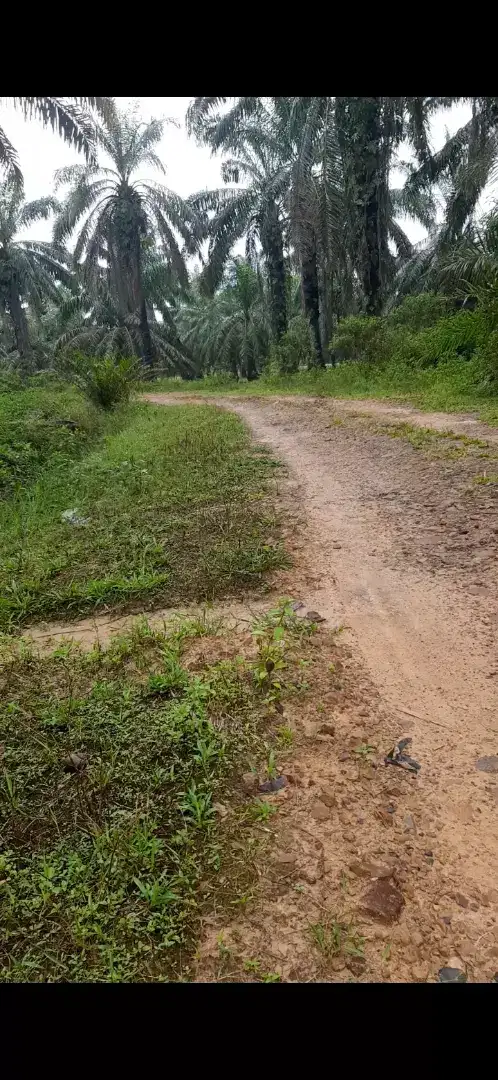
(122, 817)
(43, 426)
(173, 507)
(450, 387)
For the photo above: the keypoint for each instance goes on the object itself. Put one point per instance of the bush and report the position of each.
(295, 350)
(419, 312)
(361, 337)
(105, 381)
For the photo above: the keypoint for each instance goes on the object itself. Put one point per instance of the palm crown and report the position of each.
(118, 216)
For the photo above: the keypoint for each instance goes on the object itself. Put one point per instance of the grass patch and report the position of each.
(175, 508)
(455, 386)
(121, 819)
(45, 426)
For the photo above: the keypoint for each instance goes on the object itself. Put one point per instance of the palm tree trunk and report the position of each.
(145, 334)
(19, 321)
(311, 297)
(359, 123)
(274, 251)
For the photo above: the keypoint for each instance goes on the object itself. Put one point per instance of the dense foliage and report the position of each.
(329, 274)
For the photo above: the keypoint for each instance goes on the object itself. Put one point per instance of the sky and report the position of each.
(189, 168)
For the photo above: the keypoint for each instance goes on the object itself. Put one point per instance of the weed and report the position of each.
(260, 810)
(485, 478)
(334, 938)
(101, 866)
(285, 736)
(364, 751)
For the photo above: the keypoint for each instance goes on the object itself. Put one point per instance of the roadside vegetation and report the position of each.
(122, 815)
(167, 509)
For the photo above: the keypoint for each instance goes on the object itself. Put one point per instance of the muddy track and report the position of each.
(403, 548)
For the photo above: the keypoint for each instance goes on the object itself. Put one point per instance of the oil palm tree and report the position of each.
(66, 115)
(29, 270)
(118, 217)
(258, 161)
(230, 331)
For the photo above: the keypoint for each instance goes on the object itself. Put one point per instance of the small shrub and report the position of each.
(295, 349)
(418, 312)
(361, 337)
(105, 381)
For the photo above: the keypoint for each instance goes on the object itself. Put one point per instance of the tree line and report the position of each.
(134, 270)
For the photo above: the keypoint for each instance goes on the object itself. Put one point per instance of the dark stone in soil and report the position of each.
(273, 785)
(383, 901)
(447, 974)
(488, 764)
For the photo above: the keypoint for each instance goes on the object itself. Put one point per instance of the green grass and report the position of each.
(177, 510)
(450, 387)
(109, 857)
(34, 432)
(122, 818)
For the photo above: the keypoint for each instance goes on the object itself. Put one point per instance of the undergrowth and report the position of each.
(174, 507)
(114, 840)
(45, 426)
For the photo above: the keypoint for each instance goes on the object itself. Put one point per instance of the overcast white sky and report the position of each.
(189, 168)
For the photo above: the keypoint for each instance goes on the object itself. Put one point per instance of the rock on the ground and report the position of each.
(319, 811)
(488, 764)
(369, 869)
(284, 861)
(327, 796)
(383, 900)
(451, 974)
(326, 729)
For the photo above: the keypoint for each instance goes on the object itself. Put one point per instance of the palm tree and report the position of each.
(251, 132)
(119, 216)
(29, 270)
(462, 168)
(230, 331)
(66, 115)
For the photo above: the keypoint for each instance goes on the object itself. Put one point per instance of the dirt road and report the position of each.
(402, 544)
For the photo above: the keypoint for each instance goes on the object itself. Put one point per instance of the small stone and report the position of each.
(276, 784)
(429, 854)
(383, 901)
(385, 817)
(284, 861)
(327, 796)
(409, 824)
(220, 809)
(418, 939)
(313, 616)
(451, 974)
(461, 900)
(363, 712)
(370, 869)
(326, 729)
(337, 547)
(345, 756)
(250, 783)
(319, 811)
(420, 972)
(310, 876)
(488, 764)
(356, 964)
(75, 762)
(445, 919)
